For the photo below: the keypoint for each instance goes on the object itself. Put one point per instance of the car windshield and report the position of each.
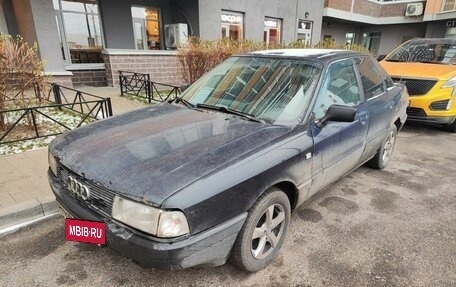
(435, 51)
(265, 89)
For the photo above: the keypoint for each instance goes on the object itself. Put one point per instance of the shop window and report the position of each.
(80, 33)
(305, 31)
(272, 31)
(146, 28)
(232, 25)
(449, 5)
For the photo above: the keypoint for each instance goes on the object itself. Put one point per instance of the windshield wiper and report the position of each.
(185, 102)
(428, 62)
(230, 111)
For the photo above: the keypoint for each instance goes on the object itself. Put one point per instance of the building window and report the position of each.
(79, 28)
(232, 25)
(305, 31)
(272, 31)
(350, 38)
(449, 5)
(371, 41)
(146, 28)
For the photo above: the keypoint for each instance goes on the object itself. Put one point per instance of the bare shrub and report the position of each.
(21, 75)
(198, 56)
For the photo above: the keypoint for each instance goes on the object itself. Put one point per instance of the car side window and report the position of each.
(371, 79)
(339, 87)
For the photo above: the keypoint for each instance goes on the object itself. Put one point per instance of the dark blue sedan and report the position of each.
(217, 172)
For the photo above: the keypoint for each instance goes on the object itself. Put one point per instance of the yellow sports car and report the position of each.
(428, 68)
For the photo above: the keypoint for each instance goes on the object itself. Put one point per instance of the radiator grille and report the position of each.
(100, 200)
(417, 87)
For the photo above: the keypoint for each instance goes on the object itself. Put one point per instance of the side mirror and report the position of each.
(338, 113)
(184, 87)
(381, 57)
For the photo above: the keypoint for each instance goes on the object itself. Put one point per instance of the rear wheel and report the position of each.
(264, 231)
(451, 127)
(384, 153)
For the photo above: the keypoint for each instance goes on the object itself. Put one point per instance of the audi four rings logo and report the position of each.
(78, 188)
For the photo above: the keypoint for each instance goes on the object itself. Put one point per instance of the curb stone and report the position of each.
(27, 211)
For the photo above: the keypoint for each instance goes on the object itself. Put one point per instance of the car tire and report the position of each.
(451, 127)
(384, 153)
(263, 233)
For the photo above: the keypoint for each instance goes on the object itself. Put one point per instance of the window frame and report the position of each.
(382, 76)
(227, 25)
(447, 10)
(144, 32)
(321, 86)
(267, 30)
(66, 57)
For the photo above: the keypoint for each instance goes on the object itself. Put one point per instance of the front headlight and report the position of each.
(451, 84)
(52, 163)
(149, 219)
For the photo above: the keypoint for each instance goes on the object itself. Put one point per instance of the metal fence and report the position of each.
(71, 109)
(139, 85)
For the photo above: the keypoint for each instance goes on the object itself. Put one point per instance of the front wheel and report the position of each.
(263, 233)
(384, 153)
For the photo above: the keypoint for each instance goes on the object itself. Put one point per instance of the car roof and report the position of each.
(308, 54)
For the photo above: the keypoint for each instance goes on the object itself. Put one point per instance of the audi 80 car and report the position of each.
(428, 69)
(215, 174)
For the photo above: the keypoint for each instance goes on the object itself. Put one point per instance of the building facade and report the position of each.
(382, 25)
(88, 41)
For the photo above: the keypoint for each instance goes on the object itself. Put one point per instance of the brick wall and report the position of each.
(94, 78)
(62, 80)
(369, 8)
(162, 67)
(394, 10)
(342, 5)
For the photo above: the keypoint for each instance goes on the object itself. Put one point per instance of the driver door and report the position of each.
(338, 146)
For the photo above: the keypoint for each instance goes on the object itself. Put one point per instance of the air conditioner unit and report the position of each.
(414, 9)
(175, 35)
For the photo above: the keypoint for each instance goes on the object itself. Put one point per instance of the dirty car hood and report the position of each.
(151, 153)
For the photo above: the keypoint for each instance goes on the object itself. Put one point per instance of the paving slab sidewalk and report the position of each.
(24, 189)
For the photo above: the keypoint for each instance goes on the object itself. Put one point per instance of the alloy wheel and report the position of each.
(268, 231)
(389, 146)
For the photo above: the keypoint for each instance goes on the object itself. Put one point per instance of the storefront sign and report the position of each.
(233, 19)
(451, 23)
(270, 23)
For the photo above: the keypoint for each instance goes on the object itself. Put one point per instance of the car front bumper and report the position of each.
(421, 116)
(209, 248)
